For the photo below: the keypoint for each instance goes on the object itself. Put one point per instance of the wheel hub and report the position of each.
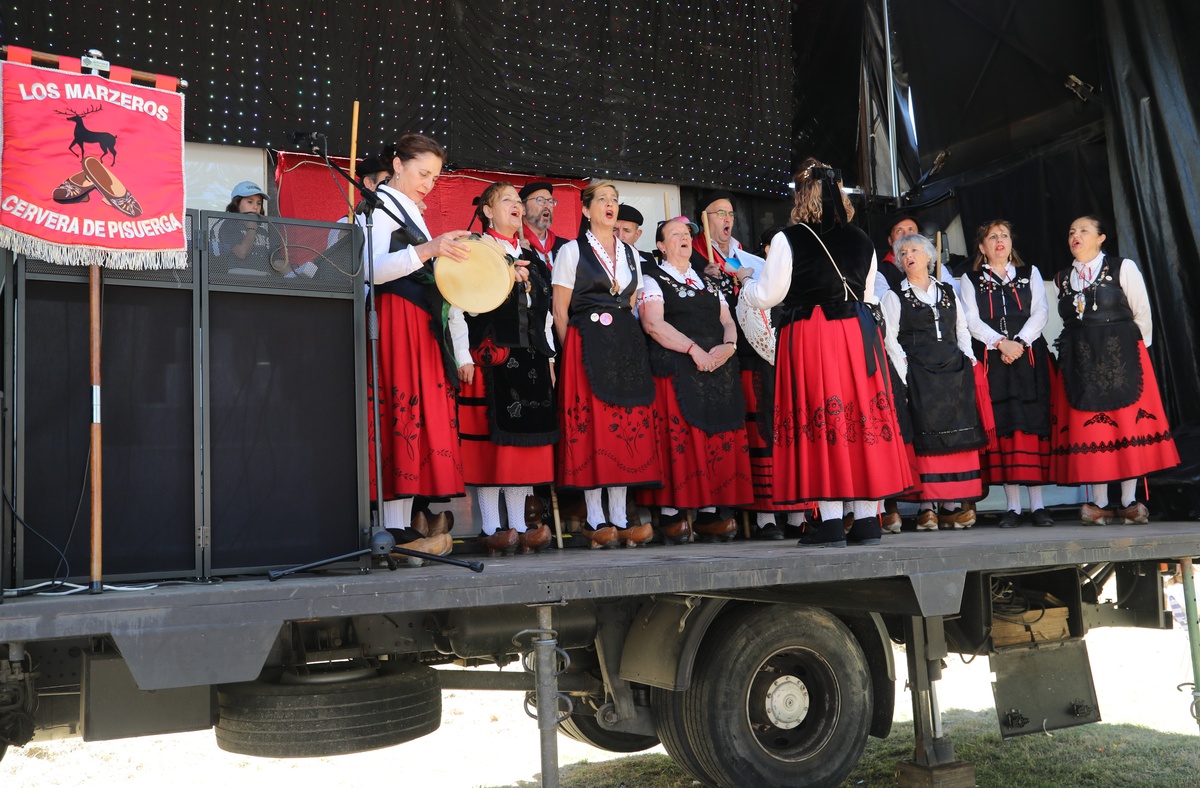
(786, 702)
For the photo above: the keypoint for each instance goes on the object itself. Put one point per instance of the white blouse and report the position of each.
(567, 261)
(1131, 281)
(652, 290)
(891, 312)
(1039, 310)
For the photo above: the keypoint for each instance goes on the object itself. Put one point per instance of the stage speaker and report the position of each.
(284, 387)
(149, 415)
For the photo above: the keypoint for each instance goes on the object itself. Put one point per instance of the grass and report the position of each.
(1091, 755)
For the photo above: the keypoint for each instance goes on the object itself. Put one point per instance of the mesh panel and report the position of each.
(264, 252)
(149, 516)
(282, 455)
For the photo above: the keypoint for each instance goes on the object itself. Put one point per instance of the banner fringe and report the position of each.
(70, 254)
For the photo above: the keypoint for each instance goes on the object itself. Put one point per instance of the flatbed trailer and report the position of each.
(754, 663)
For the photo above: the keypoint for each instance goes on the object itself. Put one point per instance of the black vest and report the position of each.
(614, 347)
(420, 289)
(815, 280)
(941, 382)
(1021, 390)
(1098, 347)
(710, 401)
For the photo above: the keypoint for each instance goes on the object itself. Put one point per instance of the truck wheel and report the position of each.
(312, 720)
(780, 696)
(667, 707)
(583, 727)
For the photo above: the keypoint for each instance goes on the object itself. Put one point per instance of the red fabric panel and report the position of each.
(71, 64)
(20, 55)
(169, 84)
(307, 191)
(120, 74)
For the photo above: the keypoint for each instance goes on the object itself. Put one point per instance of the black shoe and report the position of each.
(865, 531)
(1041, 518)
(769, 532)
(794, 531)
(823, 534)
(1010, 519)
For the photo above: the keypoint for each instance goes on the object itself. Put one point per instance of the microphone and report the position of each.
(305, 136)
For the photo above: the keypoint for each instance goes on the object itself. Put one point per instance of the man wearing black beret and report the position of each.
(629, 229)
(538, 198)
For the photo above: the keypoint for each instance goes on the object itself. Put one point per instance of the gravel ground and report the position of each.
(486, 739)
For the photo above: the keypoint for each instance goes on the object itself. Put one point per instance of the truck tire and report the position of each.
(313, 720)
(667, 708)
(780, 696)
(583, 727)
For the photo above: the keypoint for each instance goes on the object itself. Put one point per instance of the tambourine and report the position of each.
(480, 283)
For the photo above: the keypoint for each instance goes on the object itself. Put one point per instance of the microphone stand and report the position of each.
(382, 543)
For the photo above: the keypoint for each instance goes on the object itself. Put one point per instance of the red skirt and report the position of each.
(947, 477)
(698, 469)
(1096, 447)
(488, 464)
(761, 464)
(602, 445)
(1019, 458)
(418, 413)
(836, 436)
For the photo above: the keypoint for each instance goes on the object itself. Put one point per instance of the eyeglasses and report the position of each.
(721, 214)
(543, 201)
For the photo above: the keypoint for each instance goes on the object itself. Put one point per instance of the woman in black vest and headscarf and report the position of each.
(1108, 416)
(836, 435)
(507, 415)
(605, 388)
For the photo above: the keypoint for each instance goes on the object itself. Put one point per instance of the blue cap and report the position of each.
(246, 189)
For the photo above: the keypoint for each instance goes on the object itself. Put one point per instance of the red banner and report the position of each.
(308, 191)
(91, 170)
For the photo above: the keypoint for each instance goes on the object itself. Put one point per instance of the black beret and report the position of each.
(713, 196)
(536, 186)
(627, 213)
(369, 166)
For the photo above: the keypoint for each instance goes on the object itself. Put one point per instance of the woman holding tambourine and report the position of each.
(418, 368)
(606, 391)
(508, 417)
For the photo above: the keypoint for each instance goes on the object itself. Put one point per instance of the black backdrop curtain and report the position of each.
(1151, 124)
(697, 92)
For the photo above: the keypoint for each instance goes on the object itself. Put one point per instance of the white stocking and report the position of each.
(1012, 494)
(489, 508)
(616, 506)
(595, 506)
(514, 498)
(397, 513)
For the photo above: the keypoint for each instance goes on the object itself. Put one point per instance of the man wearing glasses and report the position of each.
(538, 198)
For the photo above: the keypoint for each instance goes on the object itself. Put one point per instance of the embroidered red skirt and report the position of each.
(1092, 447)
(488, 464)
(602, 445)
(836, 436)
(1020, 458)
(761, 464)
(418, 413)
(698, 469)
